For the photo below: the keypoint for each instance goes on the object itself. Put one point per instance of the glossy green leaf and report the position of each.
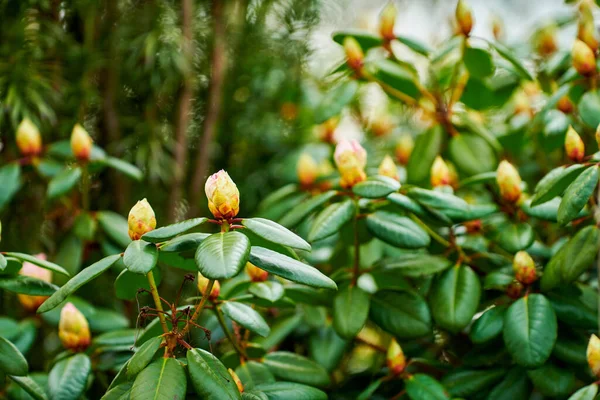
(295, 368)
(427, 146)
(63, 182)
(514, 237)
(555, 183)
(165, 233)
(334, 101)
(290, 390)
(507, 54)
(246, 316)
(350, 311)
(403, 314)
(472, 155)
(189, 241)
(417, 265)
(396, 230)
(365, 39)
(269, 290)
(30, 387)
(489, 325)
(37, 261)
(222, 255)
(585, 393)
(128, 283)
(478, 62)
(580, 253)
(304, 209)
(331, 220)
(10, 182)
(273, 232)
(470, 382)
(514, 386)
(121, 391)
(12, 362)
(209, 376)
(577, 195)
(68, 378)
(327, 348)
(421, 386)
(376, 187)
(115, 227)
(143, 356)
(589, 108)
(397, 76)
(253, 373)
(406, 203)
(140, 257)
(552, 381)
(123, 166)
(447, 204)
(163, 379)
(27, 285)
(414, 45)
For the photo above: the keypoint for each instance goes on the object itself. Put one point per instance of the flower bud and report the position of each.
(141, 219)
(598, 136)
(81, 143)
(236, 379)
(574, 146)
(593, 355)
(354, 54)
(583, 58)
(509, 181)
(381, 125)
(565, 105)
(73, 328)
(256, 274)
(203, 285)
(586, 33)
(474, 226)
(326, 130)
(545, 40)
(497, 28)
(387, 21)
(396, 361)
(440, 174)
(404, 148)
(464, 17)
(514, 290)
(307, 169)
(524, 268)
(29, 140)
(388, 168)
(31, 303)
(351, 159)
(223, 195)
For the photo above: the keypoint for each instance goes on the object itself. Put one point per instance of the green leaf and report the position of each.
(246, 316)
(119, 392)
(12, 362)
(68, 378)
(331, 220)
(577, 195)
(189, 241)
(10, 182)
(555, 183)
(163, 379)
(85, 226)
(478, 62)
(143, 356)
(486, 177)
(552, 275)
(327, 348)
(3, 262)
(376, 187)
(37, 261)
(472, 155)
(270, 290)
(514, 386)
(447, 204)
(530, 330)
(468, 383)
(514, 237)
(552, 381)
(585, 393)
(290, 390)
(397, 76)
(63, 182)
(365, 39)
(304, 209)
(30, 387)
(566, 303)
(253, 373)
(350, 311)
(128, 283)
(295, 368)
(589, 108)
(455, 297)
(427, 146)
(165, 233)
(273, 232)
(281, 329)
(209, 376)
(417, 265)
(140, 257)
(115, 227)
(27, 285)
(580, 253)
(334, 101)
(403, 314)
(506, 53)
(123, 166)
(78, 281)
(421, 387)
(288, 268)
(222, 255)
(489, 325)
(406, 203)
(414, 45)
(396, 230)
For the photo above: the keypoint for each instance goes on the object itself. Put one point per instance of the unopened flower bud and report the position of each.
(141, 219)
(29, 140)
(586, 33)
(307, 169)
(464, 17)
(497, 28)
(223, 195)
(81, 143)
(474, 226)
(326, 130)
(509, 181)
(583, 58)
(565, 105)
(256, 274)
(354, 54)
(593, 355)
(524, 268)
(574, 146)
(203, 286)
(404, 148)
(440, 174)
(453, 174)
(236, 379)
(73, 328)
(396, 361)
(381, 125)
(388, 168)
(31, 303)
(545, 40)
(598, 136)
(514, 290)
(387, 21)
(350, 158)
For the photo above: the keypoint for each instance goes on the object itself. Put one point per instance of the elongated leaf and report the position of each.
(290, 390)
(165, 233)
(270, 290)
(143, 356)
(396, 230)
(3, 262)
(397, 76)
(288, 268)
(182, 243)
(589, 108)
(365, 39)
(126, 168)
(128, 283)
(514, 237)
(223, 255)
(530, 330)
(246, 316)
(273, 232)
(585, 393)
(478, 62)
(427, 146)
(10, 182)
(472, 155)
(449, 205)
(78, 281)
(163, 379)
(253, 373)
(12, 361)
(68, 377)
(331, 219)
(414, 45)
(489, 325)
(297, 214)
(295, 368)
(470, 382)
(30, 386)
(555, 183)
(406, 203)
(140, 257)
(115, 226)
(209, 376)
(350, 311)
(580, 253)
(376, 187)
(63, 182)
(552, 381)
(27, 285)
(280, 330)
(514, 386)
(577, 195)
(403, 314)
(37, 261)
(506, 53)
(417, 265)
(334, 101)
(421, 386)
(119, 392)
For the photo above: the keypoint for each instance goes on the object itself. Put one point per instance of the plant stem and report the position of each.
(356, 270)
(431, 232)
(235, 344)
(85, 189)
(200, 306)
(157, 303)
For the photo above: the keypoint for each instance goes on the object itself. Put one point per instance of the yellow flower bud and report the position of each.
(203, 286)
(326, 130)
(404, 148)
(593, 355)
(388, 168)
(396, 361)
(73, 328)
(256, 274)
(307, 169)
(464, 17)
(354, 53)
(586, 32)
(598, 135)
(497, 28)
(387, 21)
(583, 58)
(141, 219)
(565, 105)
(440, 173)
(236, 379)
(81, 143)
(574, 146)
(524, 268)
(350, 158)
(223, 195)
(509, 181)
(29, 140)
(31, 303)
(545, 40)
(382, 125)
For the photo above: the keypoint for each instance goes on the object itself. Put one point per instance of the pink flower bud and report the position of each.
(396, 361)
(256, 274)
(28, 138)
(350, 158)
(141, 219)
(223, 195)
(574, 146)
(73, 328)
(31, 303)
(203, 286)
(509, 182)
(593, 355)
(307, 169)
(524, 268)
(81, 143)
(388, 168)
